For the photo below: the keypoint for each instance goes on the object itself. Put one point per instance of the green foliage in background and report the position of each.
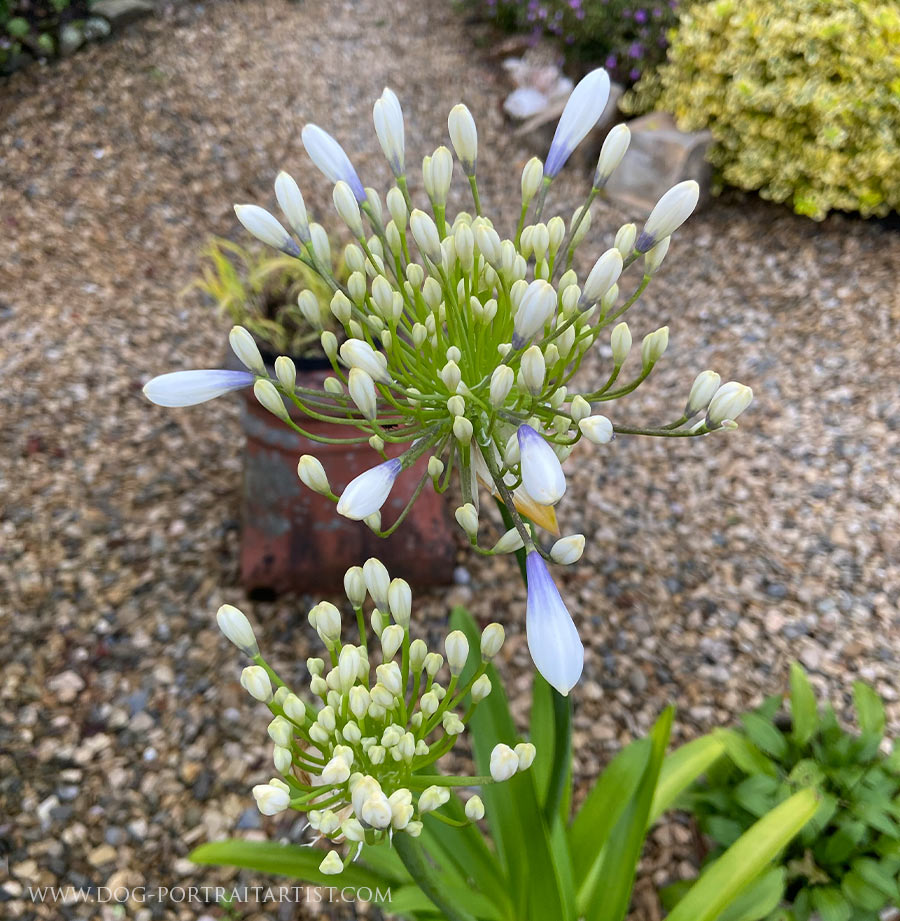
(802, 98)
(34, 25)
(844, 865)
(259, 292)
(543, 860)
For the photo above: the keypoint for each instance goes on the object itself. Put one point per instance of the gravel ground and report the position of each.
(124, 736)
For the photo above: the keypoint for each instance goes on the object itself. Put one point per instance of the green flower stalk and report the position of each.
(358, 755)
(461, 345)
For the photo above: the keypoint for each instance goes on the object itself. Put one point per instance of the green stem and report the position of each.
(562, 754)
(426, 877)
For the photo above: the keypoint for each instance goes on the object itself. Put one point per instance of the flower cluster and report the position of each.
(461, 345)
(354, 759)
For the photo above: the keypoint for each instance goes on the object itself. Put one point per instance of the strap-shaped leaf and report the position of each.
(759, 899)
(514, 815)
(681, 768)
(606, 894)
(804, 709)
(744, 753)
(725, 878)
(869, 713)
(282, 860)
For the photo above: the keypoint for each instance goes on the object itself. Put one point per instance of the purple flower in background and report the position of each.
(579, 14)
(640, 15)
(633, 74)
(611, 62)
(636, 51)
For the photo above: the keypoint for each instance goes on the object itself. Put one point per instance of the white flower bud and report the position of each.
(388, 118)
(312, 475)
(357, 353)
(320, 243)
(328, 155)
(597, 429)
(525, 752)
(359, 700)
(399, 215)
(355, 586)
(669, 213)
(653, 346)
(464, 137)
(467, 519)
(504, 762)
(603, 275)
(391, 641)
(538, 304)
(568, 550)
(283, 759)
(491, 640)
(581, 227)
(533, 370)
(366, 493)
(255, 681)
(234, 624)
(347, 207)
(474, 809)
(335, 772)
(378, 582)
(362, 392)
(429, 703)
(294, 709)
(437, 173)
(653, 259)
(582, 111)
(400, 601)
(281, 732)
(579, 408)
(425, 234)
(481, 688)
(270, 800)
(501, 383)
(625, 237)
(729, 402)
(462, 429)
(532, 177)
(432, 664)
(270, 399)
(329, 344)
(433, 798)
(244, 347)
(452, 724)
(620, 343)
(326, 619)
(265, 228)
(542, 475)
(457, 648)
(611, 153)
(702, 391)
(289, 199)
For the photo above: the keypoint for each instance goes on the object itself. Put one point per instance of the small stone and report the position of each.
(71, 38)
(101, 855)
(66, 686)
(121, 12)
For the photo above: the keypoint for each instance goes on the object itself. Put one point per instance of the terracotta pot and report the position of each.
(293, 540)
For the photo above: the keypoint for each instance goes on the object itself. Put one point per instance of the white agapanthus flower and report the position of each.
(460, 345)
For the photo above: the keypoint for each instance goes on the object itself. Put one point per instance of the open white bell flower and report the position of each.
(597, 429)
(668, 214)
(367, 492)
(504, 762)
(542, 474)
(602, 277)
(388, 117)
(464, 136)
(290, 200)
(270, 800)
(330, 158)
(614, 148)
(730, 400)
(187, 388)
(553, 639)
(357, 353)
(237, 629)
(582, 112)
(266, 228)
(538, 304)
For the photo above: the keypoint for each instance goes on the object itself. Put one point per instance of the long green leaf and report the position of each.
(541, 731)
(869, 711)
(759, 899)
(604, 806)
(606, 894)
(282, 860)
(514, 814)
(681, 768)
(804, 710)
(725, 878)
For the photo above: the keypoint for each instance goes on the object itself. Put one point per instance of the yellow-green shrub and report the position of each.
(802, 97)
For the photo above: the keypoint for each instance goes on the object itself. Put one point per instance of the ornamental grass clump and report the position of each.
(461, 344)
(355, 759)
(802, 98)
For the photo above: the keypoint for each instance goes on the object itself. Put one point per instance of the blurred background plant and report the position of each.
(628, 37)
(40, 27)
(260, 292)
(844, 865)
(802, 98)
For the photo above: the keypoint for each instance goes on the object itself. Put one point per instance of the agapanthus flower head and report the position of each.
(459, 345)
(353, 753)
